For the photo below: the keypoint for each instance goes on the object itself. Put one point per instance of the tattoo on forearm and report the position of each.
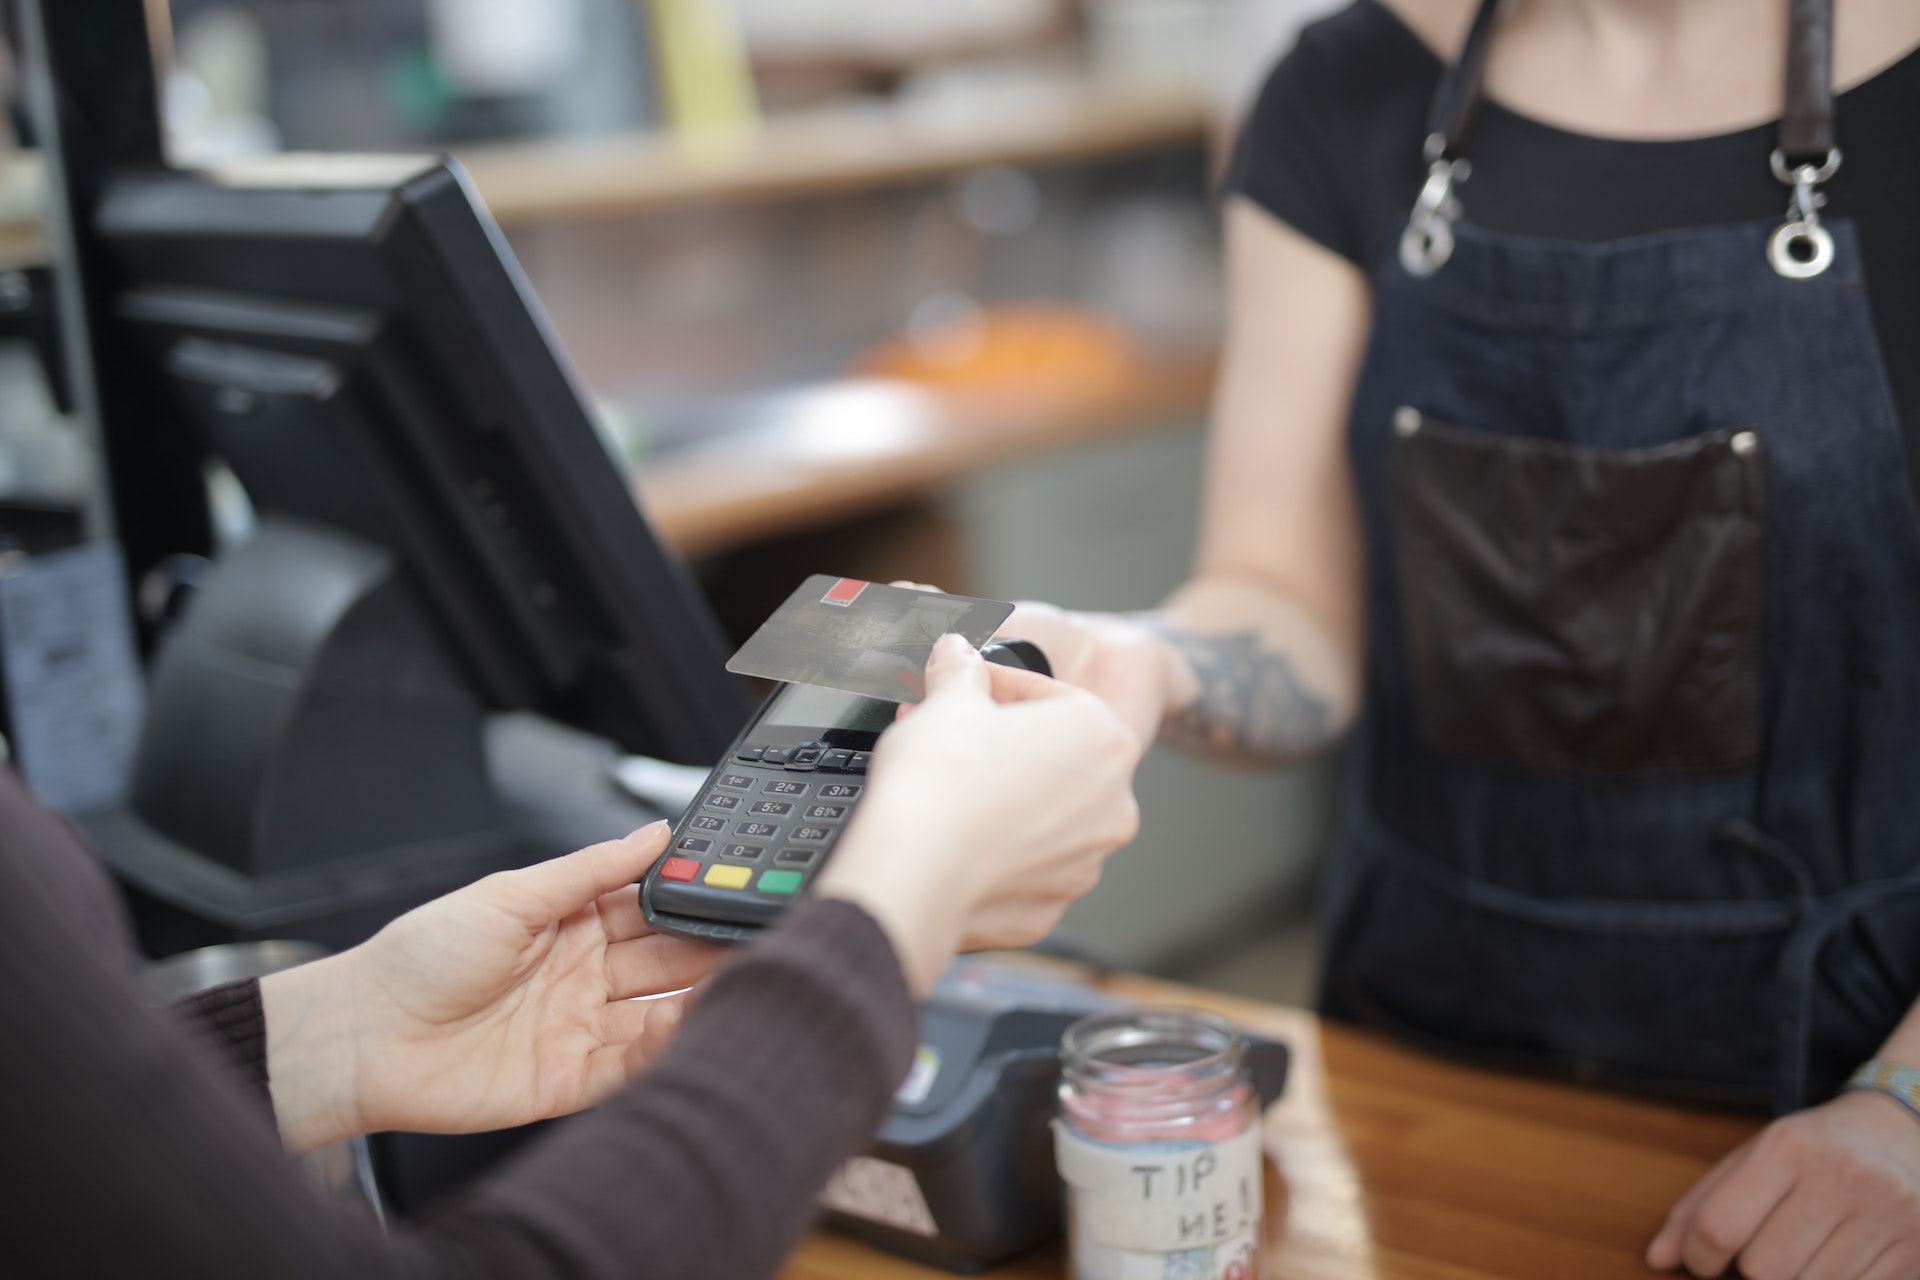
(1251, 704)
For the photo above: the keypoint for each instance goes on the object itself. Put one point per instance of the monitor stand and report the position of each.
(314, 761)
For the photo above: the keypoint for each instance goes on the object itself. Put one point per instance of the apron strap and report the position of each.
(1450, 115)
(1806, 123)
(1799, 975)
(1427, 240)
(1806, 126)
(1803, 156)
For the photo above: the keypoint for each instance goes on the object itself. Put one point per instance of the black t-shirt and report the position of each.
(1332, 148)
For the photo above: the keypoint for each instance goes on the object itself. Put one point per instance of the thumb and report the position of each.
(563, 885)
(955, 670)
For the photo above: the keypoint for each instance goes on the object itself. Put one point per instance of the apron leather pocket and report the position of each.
(1582, 609)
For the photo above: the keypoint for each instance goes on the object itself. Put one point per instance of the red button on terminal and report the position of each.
(680, 869)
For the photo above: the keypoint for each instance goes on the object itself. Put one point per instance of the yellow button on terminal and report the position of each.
(729, 877)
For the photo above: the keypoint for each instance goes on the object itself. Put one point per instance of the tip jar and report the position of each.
(1158, 1144)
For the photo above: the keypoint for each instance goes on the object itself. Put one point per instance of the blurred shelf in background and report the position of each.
(22, 244)
(23, 187)
(842, 449)
(815, 152)
(826, 150)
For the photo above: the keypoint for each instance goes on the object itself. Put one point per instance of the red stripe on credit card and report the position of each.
(844, 592)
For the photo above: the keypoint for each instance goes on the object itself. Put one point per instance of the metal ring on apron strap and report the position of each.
(1427, 242)
(1800, 248)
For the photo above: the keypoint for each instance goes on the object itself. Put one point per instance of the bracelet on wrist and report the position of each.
(1902, 1084)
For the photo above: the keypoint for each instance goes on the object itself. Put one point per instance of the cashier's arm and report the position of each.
(1257, 657)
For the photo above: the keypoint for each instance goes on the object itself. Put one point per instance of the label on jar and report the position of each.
(1158, 1199)
(1236, 1259)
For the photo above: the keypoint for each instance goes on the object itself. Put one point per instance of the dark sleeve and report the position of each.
(234, 1024)
(1331, 146)
(131, 1149)
(709, 1168)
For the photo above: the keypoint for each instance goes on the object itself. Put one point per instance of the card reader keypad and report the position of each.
(788, 828)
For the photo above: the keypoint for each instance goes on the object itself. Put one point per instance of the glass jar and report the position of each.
(1158, 1143)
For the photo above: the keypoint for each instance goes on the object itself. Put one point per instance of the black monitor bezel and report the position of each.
(456, 342)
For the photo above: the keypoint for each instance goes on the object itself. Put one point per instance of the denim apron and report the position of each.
(1636, 784)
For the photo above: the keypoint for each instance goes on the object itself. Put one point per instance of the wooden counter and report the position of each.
(1385, 1165)
(854, 447)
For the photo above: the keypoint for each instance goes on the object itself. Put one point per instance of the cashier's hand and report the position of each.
(1831, 1193)
(1109, 655)
(991, 807)
(1106, 654)
(505, 1002)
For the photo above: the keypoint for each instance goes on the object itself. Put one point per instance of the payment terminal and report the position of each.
(766, 819)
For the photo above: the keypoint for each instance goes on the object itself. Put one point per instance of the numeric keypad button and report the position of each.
(755, 830)
(707, 822)
(784, 787)
(810, 834)
(771, 808)
(721, 800)
(826, 812)
(747, 852)
(840, 791)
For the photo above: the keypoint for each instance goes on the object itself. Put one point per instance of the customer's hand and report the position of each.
(508, 1001)
(991, 807)
(1831, 1193)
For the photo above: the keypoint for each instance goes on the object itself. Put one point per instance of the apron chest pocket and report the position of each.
(1580, 609)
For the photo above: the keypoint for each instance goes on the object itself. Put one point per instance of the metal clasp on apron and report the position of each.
(1427, 242)
(1800, 248)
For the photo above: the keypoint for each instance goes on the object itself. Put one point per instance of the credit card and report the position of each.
(862, 637)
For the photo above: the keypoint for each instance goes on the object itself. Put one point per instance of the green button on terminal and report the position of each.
(778, 881)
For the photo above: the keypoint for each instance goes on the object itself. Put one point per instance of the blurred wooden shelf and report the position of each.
(813, 152)
(23, 241)
(851, 448)
(804, 153)
(22, 244)
(828, 150)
